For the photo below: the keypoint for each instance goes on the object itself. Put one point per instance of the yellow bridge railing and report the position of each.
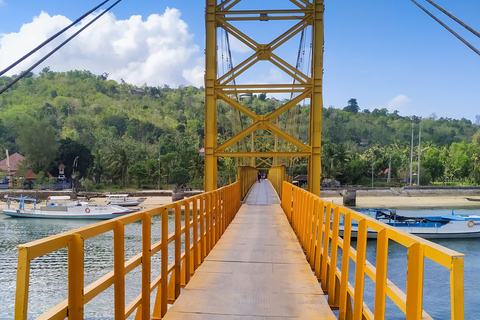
(206, 216)
(317, 224)
(246, 176)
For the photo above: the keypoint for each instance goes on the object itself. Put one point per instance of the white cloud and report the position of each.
(156, 51)
(400, 102)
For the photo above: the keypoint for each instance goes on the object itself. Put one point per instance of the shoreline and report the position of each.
(383, 202)
(395, 202)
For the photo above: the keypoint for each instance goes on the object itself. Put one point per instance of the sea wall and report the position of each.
(405, 192)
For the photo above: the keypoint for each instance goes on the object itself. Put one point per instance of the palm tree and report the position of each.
(118, 162)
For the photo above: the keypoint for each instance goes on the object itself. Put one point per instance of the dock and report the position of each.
(257, 270)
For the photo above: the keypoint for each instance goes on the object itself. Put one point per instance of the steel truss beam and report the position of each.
(220, 15)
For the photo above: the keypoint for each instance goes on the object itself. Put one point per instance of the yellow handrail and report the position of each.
(206, 217)
(246, 176)
(276, 175)
(317, 224)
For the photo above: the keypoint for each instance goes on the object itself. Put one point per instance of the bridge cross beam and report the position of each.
(220, 14)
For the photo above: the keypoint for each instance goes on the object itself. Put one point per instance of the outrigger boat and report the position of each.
(473, 199)
(124, 200)
(443, 226)
(61, 208)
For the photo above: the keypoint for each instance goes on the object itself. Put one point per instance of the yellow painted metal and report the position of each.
(146, 264)
(381, 275)
(317, 225)
(119, 269)
(23, 281)
(315, 127)
(306, 14)
(221, 205)
(456, 288)
(210, 182)
(246, 177)
(415, 281)
(75, 277)
(276, 175)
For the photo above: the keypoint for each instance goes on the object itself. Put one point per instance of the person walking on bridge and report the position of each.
(259, 176)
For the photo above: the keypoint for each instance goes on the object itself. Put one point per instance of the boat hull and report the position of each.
(20, 214)
(455, 229)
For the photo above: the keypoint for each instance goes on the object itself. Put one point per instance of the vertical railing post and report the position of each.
(178, 249)
(75, 278)
(381, 274)
(119, 269)
(146, 263)
(316, 234)
(326, 242)
(415, 267)
(164, 263)
(347, 235)
(187, 260)
(320, 241)
(333, 257)
(23, 281)
(360, 269)
(456, 288)
(195, 234)
(203, 223)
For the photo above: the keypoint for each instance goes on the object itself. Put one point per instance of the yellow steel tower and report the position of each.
(224, 14)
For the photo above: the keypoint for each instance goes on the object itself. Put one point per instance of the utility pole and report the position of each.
(389, 177)
(419, 152)
(373, 163)
(411, 159)
(159, 167)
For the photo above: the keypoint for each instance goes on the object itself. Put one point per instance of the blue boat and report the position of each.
(442, 226)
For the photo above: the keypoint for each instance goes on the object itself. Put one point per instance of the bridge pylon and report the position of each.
(232, 17)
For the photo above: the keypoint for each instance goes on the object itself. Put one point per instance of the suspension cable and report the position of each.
(460, 22)
(449, 29)
(55, 50)
(51, 38)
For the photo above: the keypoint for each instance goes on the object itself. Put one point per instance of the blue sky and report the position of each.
(386, 54)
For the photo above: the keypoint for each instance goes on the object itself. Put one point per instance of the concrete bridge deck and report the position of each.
(256, 271)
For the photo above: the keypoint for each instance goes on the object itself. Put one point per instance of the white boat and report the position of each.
(443, 226)
(61, 207)
(124, 200)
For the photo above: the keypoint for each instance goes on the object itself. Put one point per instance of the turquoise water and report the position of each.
(48, 285)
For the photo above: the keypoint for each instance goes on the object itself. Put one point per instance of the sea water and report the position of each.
(49, 274)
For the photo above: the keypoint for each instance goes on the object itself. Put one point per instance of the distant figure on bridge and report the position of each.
(259, 176)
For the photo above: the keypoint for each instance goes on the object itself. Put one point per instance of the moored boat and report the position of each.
(54, 209)
(124, 200)
(473, 199)
(442, 226)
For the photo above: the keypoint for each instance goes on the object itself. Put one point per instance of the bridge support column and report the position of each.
(314, 161)
(210, 181)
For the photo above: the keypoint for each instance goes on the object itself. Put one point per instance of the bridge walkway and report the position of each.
(257, 270)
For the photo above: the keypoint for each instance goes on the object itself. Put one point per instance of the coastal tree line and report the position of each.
(116, 135)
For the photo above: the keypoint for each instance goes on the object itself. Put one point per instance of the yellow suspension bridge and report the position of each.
(250, 250)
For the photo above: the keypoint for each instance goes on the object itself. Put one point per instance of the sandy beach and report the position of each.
(409, 202)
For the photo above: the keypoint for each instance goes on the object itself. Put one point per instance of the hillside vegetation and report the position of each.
(147, 137)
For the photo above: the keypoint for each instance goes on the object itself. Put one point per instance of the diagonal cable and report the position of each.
(51, 38)
(55, 50)
(449, 29)
(451, 16)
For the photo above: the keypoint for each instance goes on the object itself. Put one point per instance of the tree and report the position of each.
(139, 172)
(179, 176)
(39, 145)
(352, 106)
(68, 151)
